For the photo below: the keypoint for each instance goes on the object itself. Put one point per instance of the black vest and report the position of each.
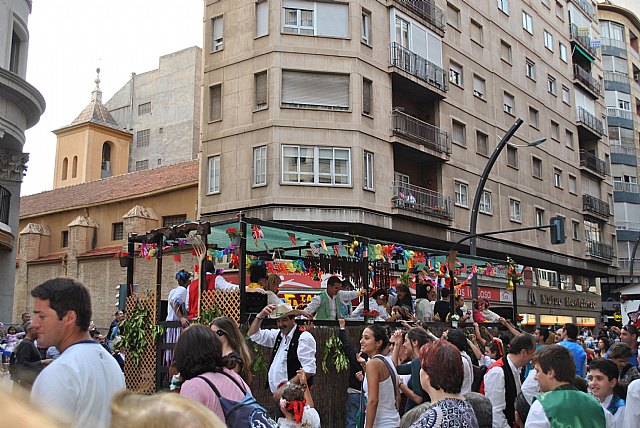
(510, 392)
(293, 363)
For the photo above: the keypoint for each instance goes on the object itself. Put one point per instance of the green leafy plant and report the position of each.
(259, 365)
(135, 329)
(333, 352)
(208, 315)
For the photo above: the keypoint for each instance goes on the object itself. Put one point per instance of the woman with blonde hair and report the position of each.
(235, 352)
(160, 411)
(273, 288)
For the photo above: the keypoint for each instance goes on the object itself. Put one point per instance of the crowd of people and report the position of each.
(400, 374)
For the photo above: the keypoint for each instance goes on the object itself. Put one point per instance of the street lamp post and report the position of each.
(473, 249)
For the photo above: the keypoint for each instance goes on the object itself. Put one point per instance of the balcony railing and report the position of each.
(606, 41)
(599, 250)
(427, 10)
(622, 150)
(624, 265)
(585, 77)
(593, 163)
(587, 8)
(424, 201)
(596, 206)
(619, 186)
(618, 112)
(590, 121)
(614, 76)
(628, 225)
(418, 66)
(420, 132)
(5, 204)
(583, 38)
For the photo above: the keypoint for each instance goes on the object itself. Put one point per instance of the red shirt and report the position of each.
(194, 288)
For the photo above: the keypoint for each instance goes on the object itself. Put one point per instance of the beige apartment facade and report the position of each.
(378, 118)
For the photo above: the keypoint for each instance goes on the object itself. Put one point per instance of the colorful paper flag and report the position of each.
(324, 245)
(292, 236)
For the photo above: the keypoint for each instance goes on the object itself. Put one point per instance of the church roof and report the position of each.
(111, 189)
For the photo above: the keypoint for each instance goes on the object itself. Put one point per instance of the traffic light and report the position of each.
(557, 230)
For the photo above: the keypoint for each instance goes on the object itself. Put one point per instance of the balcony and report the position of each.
(613, 47)
(5, 204)
(584, 77)
(420, 132)
(619, 117)
(420, 200)
(587, 8)
(599, 250)
(619, 186)
(596, 206)
(583, 40)
(419, 67)
(628, 231)
(593, 163)
(622, 150)
(623, 155)
(593, 124)
(427, 10)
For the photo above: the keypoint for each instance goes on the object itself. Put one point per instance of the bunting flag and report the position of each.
(292, 236)
(256, 232)
(336, 250)
(324, 245)
(176, 257)
(315, 249)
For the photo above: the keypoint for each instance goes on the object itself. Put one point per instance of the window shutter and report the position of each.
(261, 89)
(315, 89)
(215, 103)
(366, 96)
(262, 19)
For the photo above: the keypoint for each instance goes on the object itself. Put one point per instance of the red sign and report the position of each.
(489, 293)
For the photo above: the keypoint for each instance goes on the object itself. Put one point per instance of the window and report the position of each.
(260, 84)
(367, 172)
(563, 52)
(485, 203)
(453, 16)
(548, 40)
(573, 185)
(64, 239)
(534, 117)
(143, 137)
(117, 231)
(298, 21)
(366, 27)
(462, 194)
(557, 178)
(173, 220)
(215, 103)
(217, 30)
(503, 5)
(65, 167)
(512, 156)
(540, 217)
(316, 165)
(565, 95)
(569, 139)
(530, 69)
(536, 167)
(505, 51)
(310, 18)
(476, 32)
(159, 162)
(559, 10)
(509, 103)
(459, 135)
(367, 93)
(552, 86)
(575, 230)
(142, 165)
(262, 18)
(455, 74)
(514, 210)
(14, 59)
(315, 90)
(482, 143)
(213, 174)
(74, 167)
(144, 109)
(402, 32)
(527, 22)
(160, 130)
(260, 166)
(479, 87)
(546, 3)
(555, 130)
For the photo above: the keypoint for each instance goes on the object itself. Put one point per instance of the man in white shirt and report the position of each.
(502, 381)
(632, 409)
(79, 384)
(326, 305)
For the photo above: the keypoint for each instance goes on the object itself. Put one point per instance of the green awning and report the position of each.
(586, 55)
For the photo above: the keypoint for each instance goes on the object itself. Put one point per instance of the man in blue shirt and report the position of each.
(629, 335)
(569, 336)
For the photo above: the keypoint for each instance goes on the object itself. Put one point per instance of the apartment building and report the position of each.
(378, 118)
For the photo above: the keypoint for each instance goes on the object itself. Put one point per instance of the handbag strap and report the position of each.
(244, 391)
(211, 385)
(393, 379)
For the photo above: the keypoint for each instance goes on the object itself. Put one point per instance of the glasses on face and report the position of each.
(220, 332)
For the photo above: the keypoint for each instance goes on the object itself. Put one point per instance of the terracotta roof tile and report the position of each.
(110, 189)
(107, 251)
(50, 257)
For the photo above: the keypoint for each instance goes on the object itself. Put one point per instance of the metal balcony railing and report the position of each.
(420, 132)
(5, 205)
(427, 10)
(614, 76)
(622, 150)
(418, 199)
(599, 250)
(619, 186)
(590, 121)
(418, 66)
(618, 112)
(587, 8)
(593, 163)
(614, 43)
(583, 38)
(628, 225)
(585, 77)
(596, 206)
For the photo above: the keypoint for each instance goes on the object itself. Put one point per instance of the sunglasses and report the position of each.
(220, 332)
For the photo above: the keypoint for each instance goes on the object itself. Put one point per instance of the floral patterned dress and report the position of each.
(449, 412)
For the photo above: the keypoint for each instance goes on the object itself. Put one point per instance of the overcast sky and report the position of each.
(69, 39)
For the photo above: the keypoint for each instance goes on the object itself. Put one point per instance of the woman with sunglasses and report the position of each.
(235, 352)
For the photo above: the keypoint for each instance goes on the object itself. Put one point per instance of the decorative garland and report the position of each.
(332, 350)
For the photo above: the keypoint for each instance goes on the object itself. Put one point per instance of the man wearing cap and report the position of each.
(293, 348)
(326, 305)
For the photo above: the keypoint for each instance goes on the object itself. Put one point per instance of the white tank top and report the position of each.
(387, 414)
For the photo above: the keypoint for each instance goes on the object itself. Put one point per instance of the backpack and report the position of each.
(244, 413)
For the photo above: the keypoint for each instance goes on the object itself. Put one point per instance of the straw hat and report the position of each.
(283, 310)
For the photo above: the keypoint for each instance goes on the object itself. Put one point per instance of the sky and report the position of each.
(69, 39)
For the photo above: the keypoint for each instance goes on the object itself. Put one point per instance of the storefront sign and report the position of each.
(489, 293)
(528, 319)
(541, 298)
(554, 319)
(586, 321)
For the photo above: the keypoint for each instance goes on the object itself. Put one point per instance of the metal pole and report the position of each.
(633, 259)
(242, 268)
(476, 200)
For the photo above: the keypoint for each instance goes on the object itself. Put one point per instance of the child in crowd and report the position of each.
(12, 338)
(603, 382)
(297, 405)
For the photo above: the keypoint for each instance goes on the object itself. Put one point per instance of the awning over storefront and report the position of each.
(586, 321)
(528, 319)
(555, 319)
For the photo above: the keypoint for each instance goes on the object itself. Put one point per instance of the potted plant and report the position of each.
(454, 320)
(234, 235)
(123, 258)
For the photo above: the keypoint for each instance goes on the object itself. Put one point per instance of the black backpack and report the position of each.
(244, 413)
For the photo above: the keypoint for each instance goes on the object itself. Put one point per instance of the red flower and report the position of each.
(374, 313)
(365, 312)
